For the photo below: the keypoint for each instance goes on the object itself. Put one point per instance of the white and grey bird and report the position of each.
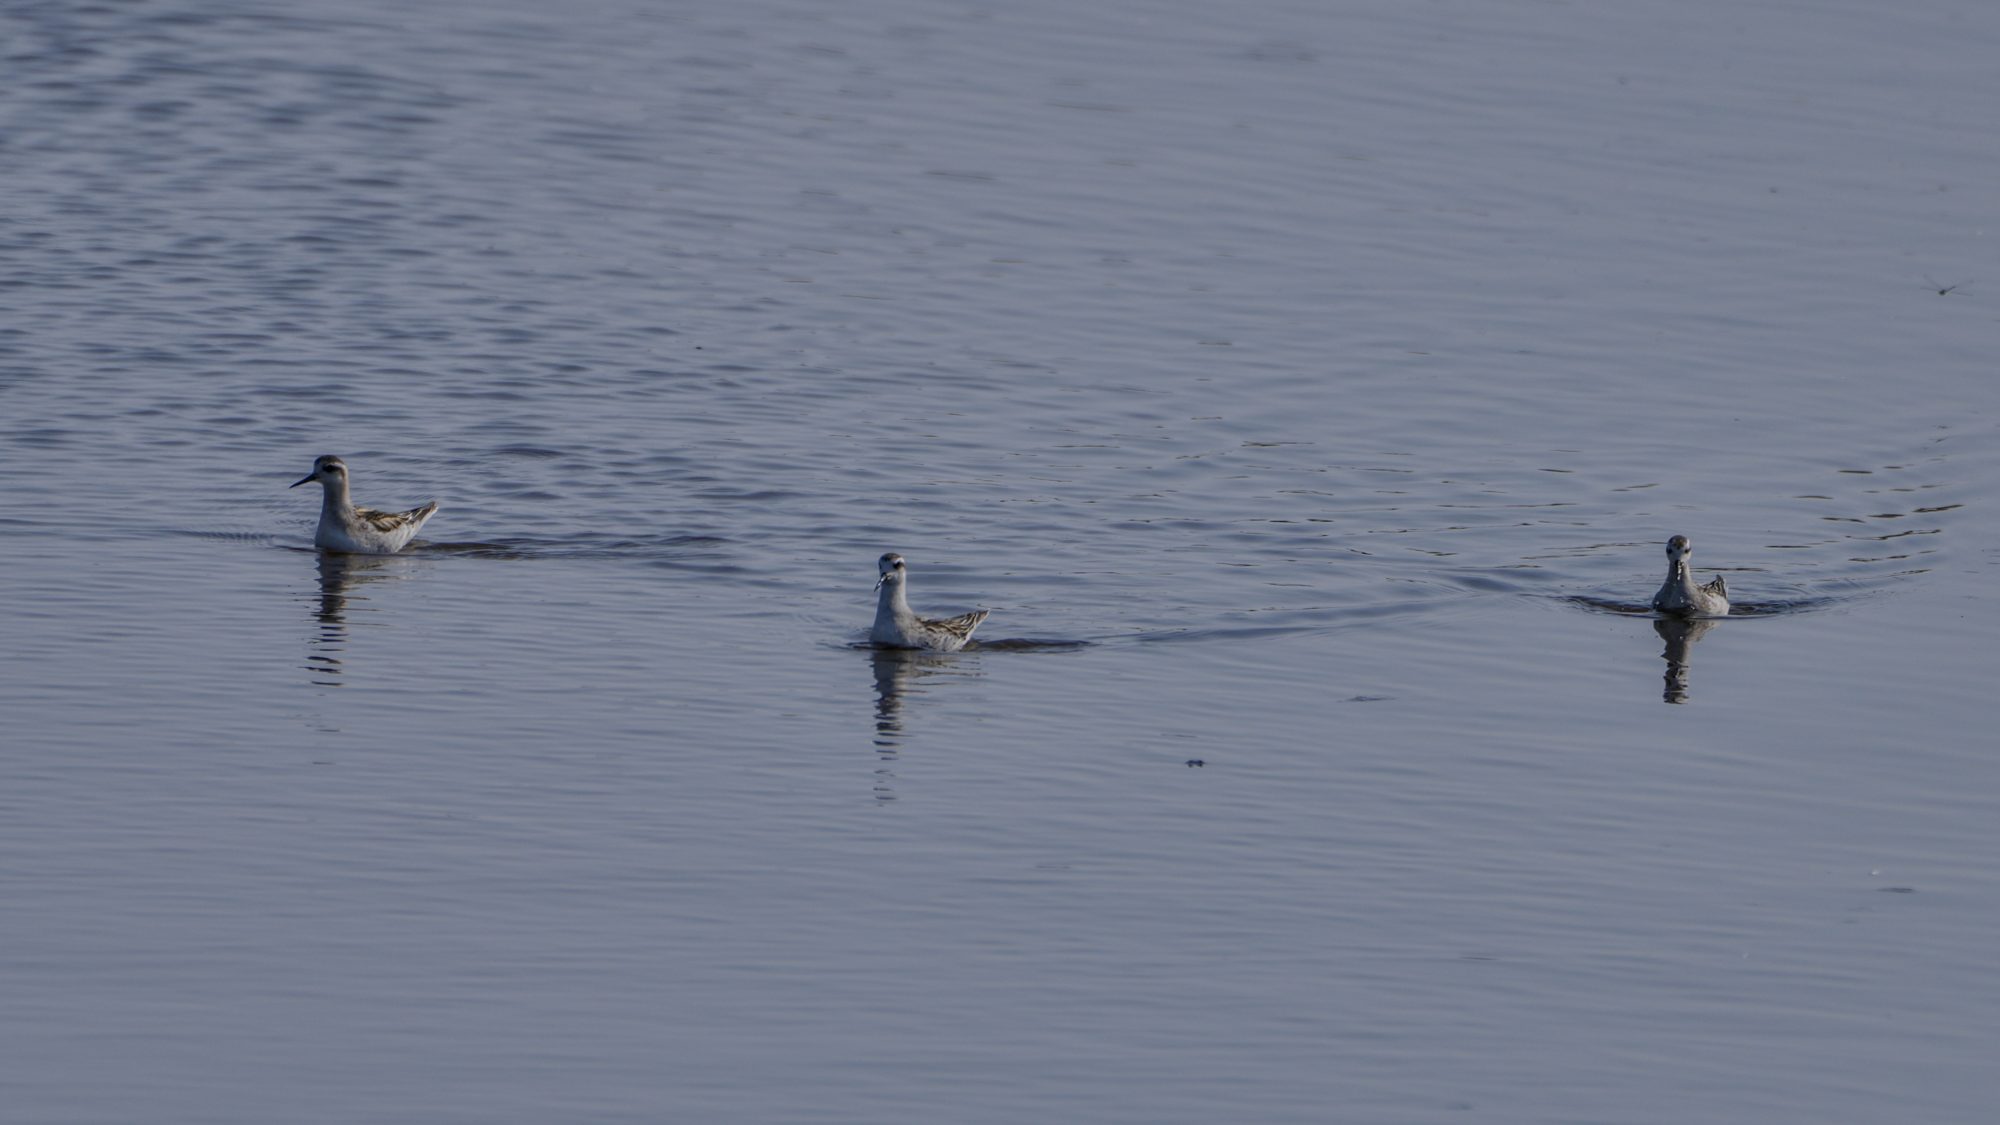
(898, 626)
(359, 531)
(1679, 594)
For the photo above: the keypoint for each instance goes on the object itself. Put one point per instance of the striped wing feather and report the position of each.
(391, 521)
(962, 625)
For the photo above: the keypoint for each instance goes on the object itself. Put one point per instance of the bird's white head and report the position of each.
(890, 569)
(327, 468)
(1678, 550)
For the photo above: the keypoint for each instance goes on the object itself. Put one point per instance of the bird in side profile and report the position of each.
(898, 626)
(359, 531)
(1679, 594)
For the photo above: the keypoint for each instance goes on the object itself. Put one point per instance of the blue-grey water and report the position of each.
(1308, 389)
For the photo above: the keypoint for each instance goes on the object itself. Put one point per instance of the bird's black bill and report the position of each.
(309, 477)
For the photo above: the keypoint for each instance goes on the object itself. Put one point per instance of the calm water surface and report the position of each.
(1308, 391)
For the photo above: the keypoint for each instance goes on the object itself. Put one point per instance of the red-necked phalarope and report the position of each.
(1679, 595)
(359, 531)
(898, 626)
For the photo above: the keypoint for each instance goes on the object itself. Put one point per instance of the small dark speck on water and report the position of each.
(1196, 763)
(1897, 890)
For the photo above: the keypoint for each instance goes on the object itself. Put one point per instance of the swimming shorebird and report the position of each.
(359, 531)
(1679, 595)
(898, 626)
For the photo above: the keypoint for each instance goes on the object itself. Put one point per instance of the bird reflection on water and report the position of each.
(899, 673)
(339, 574)
(1680, 633)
